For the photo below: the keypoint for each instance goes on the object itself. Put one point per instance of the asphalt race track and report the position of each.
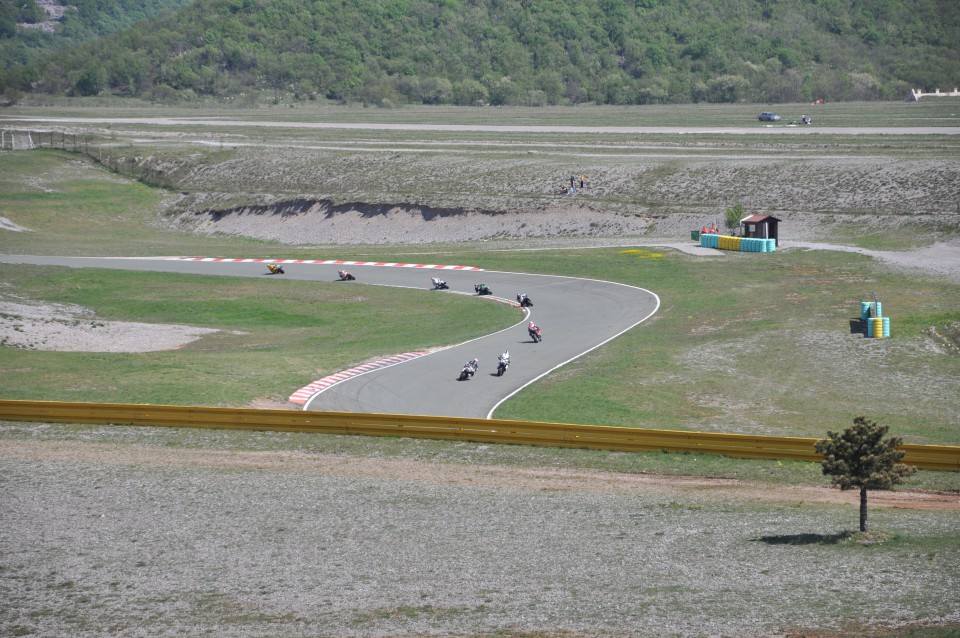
(577, 316)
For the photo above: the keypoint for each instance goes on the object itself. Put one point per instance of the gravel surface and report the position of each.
(71, 328)
(152, 541)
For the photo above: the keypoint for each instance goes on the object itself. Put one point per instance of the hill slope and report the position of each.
(31, 30)
(386, 52)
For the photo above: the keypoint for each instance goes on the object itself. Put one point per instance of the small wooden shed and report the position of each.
(760, 226)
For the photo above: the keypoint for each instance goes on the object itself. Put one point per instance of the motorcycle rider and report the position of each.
(503, 360)
(534, 331)
(438, 284)
(345, 276)
(275, 269)
(482, 289)
(523, 300)
(469, 369)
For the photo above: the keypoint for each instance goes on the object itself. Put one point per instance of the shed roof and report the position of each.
(753, 219)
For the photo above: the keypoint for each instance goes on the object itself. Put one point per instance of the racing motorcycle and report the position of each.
(524, 301)
(535, 333)
(439, 284)
(275, 269)
(503, 362)
(482, 289)
(345, 276)
(469, 369)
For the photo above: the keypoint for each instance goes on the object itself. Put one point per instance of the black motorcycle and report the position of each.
(469, 369)
(439, 284)
(345, 276)
(524, 301)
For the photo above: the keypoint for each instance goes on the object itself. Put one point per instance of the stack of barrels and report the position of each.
(743, 244)
(878, 326)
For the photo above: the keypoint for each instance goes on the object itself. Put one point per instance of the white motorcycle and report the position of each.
(503, 362)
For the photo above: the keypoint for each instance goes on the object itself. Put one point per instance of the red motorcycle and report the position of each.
(535, 333)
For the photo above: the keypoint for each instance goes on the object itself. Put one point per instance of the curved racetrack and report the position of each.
(577, 315)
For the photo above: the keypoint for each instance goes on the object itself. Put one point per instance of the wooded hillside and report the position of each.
(389, 52)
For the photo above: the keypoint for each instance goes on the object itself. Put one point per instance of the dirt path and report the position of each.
(487, 476)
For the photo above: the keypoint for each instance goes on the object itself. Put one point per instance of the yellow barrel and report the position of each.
(877, 327)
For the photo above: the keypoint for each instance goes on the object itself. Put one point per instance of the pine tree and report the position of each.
(859, 457)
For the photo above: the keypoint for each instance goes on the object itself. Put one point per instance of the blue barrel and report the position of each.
(886, 327)
(771, 245)
(864, 310)
(869, 328)
(877, 309)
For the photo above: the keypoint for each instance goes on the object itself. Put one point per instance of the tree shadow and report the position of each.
(806, 539)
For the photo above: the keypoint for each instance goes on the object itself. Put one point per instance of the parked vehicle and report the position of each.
(768, 116)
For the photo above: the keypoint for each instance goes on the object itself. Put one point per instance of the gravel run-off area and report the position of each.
(156, 541)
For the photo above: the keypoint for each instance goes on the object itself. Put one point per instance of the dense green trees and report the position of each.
(387, 52)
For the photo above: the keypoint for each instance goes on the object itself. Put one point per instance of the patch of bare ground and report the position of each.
(34, 325)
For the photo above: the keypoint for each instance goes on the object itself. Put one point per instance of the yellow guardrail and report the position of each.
(597, 437)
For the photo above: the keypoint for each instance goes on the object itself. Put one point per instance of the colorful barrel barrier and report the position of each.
(742, 244)
(871, 316)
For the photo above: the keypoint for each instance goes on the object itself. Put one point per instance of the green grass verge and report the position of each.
(742, 343)
(275, 335)
(69, 205)
(756, 343)
(752, 343)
